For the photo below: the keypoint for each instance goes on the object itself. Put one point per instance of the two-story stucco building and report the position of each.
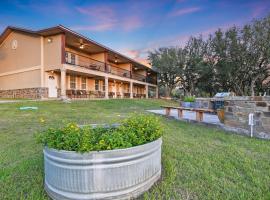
(58, 62)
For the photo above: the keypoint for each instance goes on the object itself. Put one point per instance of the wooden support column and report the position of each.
(106, 61)
(131, 70)
(63, 83)
(106, 87)
(131, 89)
(157, 92)
(146, 91)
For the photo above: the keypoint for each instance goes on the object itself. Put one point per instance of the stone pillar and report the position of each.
(106, 87)
(157, 92)
(63, 83)
(146, 91)
(131, 89)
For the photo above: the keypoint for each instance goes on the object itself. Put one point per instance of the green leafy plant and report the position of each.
(135, 130)
(189, 99)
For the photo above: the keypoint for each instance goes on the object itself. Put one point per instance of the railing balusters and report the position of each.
(89, 63)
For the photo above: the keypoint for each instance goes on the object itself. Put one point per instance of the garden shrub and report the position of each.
(189, 99)
(135, 130)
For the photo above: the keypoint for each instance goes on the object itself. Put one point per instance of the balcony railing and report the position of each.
(139, 77)
(89, 63)
(118, 71)
(85, 62)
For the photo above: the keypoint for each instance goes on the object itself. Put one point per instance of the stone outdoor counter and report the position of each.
(237, 110)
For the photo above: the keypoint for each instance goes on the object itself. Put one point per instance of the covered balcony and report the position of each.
(84, 53)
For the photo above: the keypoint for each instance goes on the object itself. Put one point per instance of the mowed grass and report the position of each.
(198, 162)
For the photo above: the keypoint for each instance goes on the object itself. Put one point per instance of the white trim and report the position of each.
(42, 61)
(21, 71)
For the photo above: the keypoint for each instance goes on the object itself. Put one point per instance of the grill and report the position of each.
(218, 99)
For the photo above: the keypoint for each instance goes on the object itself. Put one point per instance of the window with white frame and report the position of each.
(97, 85)
(103, 85)
(72, 82)
(73, 59)
(83, 83)
(66, 56)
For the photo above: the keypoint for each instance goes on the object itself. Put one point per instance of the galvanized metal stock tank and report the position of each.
(112, 174)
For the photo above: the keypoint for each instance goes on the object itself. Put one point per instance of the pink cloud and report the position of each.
(132, 23)
(98, 27)
(178, 40)
(106, 18)
(259, 9)
(136, 55)
(184, 11)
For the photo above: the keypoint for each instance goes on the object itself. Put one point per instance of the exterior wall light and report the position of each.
(81, 46)
(49, 40)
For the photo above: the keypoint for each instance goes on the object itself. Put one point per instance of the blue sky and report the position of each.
(133, 27)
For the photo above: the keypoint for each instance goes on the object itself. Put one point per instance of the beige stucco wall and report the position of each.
(27, 54)
(99, 56)
(52, 53)
(91, 84)
(29, 79)
(126, 66)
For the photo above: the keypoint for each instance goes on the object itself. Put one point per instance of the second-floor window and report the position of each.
(73, 59)
(66, 56)
(72, 82)
(83, 83)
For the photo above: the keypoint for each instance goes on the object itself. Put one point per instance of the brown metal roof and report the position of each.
(61, 29)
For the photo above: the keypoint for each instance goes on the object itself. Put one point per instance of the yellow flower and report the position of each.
(41, 120)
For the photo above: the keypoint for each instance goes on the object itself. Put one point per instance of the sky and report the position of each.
(133, 27)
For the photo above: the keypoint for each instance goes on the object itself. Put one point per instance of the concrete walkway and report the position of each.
(190, 116)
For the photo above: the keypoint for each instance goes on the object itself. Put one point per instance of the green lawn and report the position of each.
(198, 162)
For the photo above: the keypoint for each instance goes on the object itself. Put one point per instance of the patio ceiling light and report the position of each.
(81, 46)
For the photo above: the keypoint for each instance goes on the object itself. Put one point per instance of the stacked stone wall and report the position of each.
(237, 110)
(28, 93)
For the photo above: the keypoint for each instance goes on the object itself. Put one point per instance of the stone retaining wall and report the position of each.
(237, 110)
(29, 93)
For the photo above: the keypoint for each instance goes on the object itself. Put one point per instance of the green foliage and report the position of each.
(135, 130)
(189, 99)
(235, 59)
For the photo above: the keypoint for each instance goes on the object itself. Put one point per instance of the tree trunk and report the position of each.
(168, 91)
(252, 85)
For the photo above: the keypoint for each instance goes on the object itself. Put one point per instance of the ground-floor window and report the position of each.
(83, 83)
(103, 85)
(97, 85)
(72, 82)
